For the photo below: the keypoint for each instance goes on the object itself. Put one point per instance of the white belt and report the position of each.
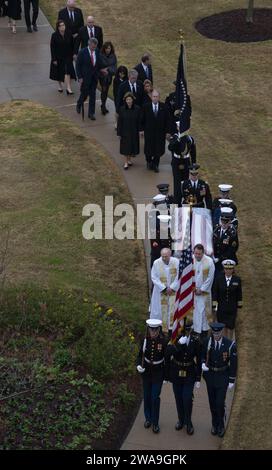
(179, 156)
(155, 363)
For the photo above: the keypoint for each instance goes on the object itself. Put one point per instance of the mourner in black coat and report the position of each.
(14, 10)
(61, 46)
(144, 69)
(195, 191)
(86, 32)
(219, 365)
(120, 77)
(227, 295)
(156, 126)
(225, 241)
(183, 150)
(88, 65)
(150, 364)
(128, 128)
(35, 13)
(72, 17)
(183, 369)
(133, 86)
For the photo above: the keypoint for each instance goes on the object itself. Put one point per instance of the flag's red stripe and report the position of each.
(186, 278)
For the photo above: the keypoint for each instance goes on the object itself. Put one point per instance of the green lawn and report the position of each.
(70, 309)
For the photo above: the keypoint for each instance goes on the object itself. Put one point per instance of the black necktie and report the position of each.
(147, 72)
(217, 346)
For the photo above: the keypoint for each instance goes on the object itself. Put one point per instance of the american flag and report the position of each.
(185, 294)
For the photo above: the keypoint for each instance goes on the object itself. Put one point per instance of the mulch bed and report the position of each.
(231, 26)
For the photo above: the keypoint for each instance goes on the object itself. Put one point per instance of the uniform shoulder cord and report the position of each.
(230, 348)
(208, 351)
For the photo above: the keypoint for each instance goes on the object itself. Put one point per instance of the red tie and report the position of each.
(92, 58)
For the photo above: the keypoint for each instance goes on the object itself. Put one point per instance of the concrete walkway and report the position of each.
(24, 65)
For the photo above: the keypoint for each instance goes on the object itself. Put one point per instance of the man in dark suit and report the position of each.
(132, 85)
(87, 68)
(87, 32)
(225, 239)
(35, 12)
(219, 366)
(144, 69)
(72, 17)
(227, 296)
(156, 126)
(195, 191)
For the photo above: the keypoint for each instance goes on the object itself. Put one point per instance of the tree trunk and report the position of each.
(250, 8)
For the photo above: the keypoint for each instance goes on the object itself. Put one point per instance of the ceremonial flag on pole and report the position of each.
(185, 294)
(183, 103)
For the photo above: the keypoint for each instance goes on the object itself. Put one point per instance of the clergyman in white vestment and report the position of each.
(204, 274)
(165, 278)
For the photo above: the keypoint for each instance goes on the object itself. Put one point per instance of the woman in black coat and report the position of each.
(14, 13)
(120, 76)
(108, 70)
(62, 68)
(128, 129)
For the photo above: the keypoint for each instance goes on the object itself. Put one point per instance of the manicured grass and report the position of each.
(69, 307)
(229, 86)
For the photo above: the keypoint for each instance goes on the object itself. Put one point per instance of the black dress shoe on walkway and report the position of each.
(147, 424)
(35, 27)
(29, 29)
(78, 108)
(221, 432)
(178, 426)
(190, 429)
(156, 169)
(156, 428)
(92, 117)
(214, 430)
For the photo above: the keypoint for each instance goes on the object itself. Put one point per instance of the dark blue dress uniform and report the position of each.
(222, 365)
(183, 369)
(183, 151)
(227, 298)
(216, 212)
(152, 358)
(225, 245)
(199, 195)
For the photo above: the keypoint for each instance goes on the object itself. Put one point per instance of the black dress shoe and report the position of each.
(78, 108)
(92, 117)
(147, 424)
(190, 429)
(221, 432)
(35, 27)
(69, 92)
(178, 426)
(29, 29)
(103, 110)
(156, 169)
(214, 430)
(156, 428)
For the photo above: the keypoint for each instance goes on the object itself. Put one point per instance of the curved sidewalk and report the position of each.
(24, 63)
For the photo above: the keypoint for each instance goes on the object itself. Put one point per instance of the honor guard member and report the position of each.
(195, 191)
(183, 150)
(224, 195)
(225, 239)
(217, 212)
(163, 188)
(219, 366)
(150, 364)
(171, 103)
(162, 237)
(227, 296)
(183, 369)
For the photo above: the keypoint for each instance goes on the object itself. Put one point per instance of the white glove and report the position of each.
(140, 369)
(230, 386)
(197, 384)
(182, 340)
(204, 367)
(165, 382)
(215, 260)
